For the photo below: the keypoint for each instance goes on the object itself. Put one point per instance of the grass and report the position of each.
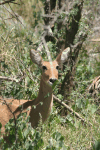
(76, 135)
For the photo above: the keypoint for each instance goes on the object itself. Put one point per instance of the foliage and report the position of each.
(22, 136)
(56, 142)
(96, 146)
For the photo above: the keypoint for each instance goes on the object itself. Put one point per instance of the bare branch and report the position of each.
(13, 15)
(16, 16)
(5, 2)
(46, 48)
(95, 40)
(71, 110)
(48, 15)
(8, 79)
(11, 79)
(30, 74)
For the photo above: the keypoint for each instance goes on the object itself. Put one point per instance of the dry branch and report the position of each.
(71, 110)
(14, 15)
(30, 74)
(12, 79)
(5, 2)
(95, 40)
(8, 79)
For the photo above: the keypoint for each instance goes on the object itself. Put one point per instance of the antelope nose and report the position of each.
(52, 80)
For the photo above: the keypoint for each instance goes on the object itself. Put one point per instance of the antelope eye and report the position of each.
(44, 68)
(57, 67)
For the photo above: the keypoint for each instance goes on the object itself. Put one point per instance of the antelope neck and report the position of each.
(45, 91)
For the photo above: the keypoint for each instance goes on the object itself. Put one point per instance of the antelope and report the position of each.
(10, 107)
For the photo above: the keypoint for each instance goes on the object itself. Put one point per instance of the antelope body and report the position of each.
(10, 107)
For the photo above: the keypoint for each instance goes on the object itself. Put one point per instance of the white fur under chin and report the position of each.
(50, 84)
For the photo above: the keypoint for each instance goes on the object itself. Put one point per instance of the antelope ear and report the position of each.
(63, 56)
(36, 57)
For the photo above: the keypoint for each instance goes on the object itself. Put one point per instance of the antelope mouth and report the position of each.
(52, 83)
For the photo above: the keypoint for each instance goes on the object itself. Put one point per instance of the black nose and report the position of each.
(52, 80)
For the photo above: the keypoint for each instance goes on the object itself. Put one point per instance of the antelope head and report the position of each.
(50, 69)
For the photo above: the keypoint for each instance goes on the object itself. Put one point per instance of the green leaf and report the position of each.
(96, 146)
(92, 108)
(57, 136)
(48, 94)
(0, 125)
(41, 103)
(53, 86)
(26, 132)
(34, 106)
(60, 96)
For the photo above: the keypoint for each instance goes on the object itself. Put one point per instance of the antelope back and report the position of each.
(7, 109)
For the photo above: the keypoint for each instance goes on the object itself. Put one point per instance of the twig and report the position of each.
(48, 30)
(95, 40)
(57, 15)
(9, 18)
(71, 110)
(15, 3)
(10, 79)
(5, 2)
(48, 15)
(46, 48)
(14, 15)
(30, 74)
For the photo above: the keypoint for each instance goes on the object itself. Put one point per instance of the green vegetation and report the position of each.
(58, 132)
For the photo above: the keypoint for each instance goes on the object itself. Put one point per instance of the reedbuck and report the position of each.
(10, 107)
